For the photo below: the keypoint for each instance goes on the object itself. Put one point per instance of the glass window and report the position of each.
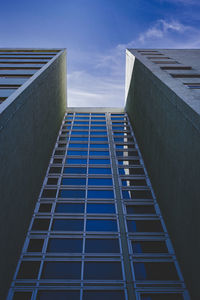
(59, 295)
(97, 114)
(68, 225)
(102, 271)
(99, 171)
(81, 118)
(98, 118)
(72, 193)
(82, 114)
(61, 245)
(73, 181)
(75, 208)
(70, 170)
(101, 225)
(104, 294)
(61, 270)
(149, 247)
(79, 132)
(71, 145)
(134, 182)
(131, 171)
(81, 122)
(161, 296)
(137, 194)
(81, 127)
(28, 270)
(98, 122)
(76, 161)
(52, 181)
(22, 296)
(129, 162)
(101, 153)
(49, 193)
(100, 208)
(57, 161)
(98, 132)
(155, 271)
(76, 152)
(79, 139)
(35, 245)
(140, 209)
(98, 139)
(144, 226)
(102, 246)
(127, 153)
(40, 224)
(99, 161)
(98, 145)
(98, 127)
(45, 207)
(100, 194)
(100, 181)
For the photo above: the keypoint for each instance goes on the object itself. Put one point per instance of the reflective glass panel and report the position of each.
(73, 181)
(100, 194)
(102, 271)
(100, 208)
(99, 161)
(62, 245)
(149, 247)
(97, 153)
(99, 171)
(98, 139)
(101, 225)
(155, 271)
(100, 181)
(67, 225)
(144, 226)
(59, 295)
(98, 145)
(61, 270)
(76, 161)
(70, 170)
(76, 208)
(104, 295)
(102, 246)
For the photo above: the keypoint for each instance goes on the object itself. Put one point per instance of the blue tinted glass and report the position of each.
(101, 225)
(98, 127)
(80, 139)
(118, 133)
(99, 161)
(70, 170)
(100, 194)
(98, 145)
(68, 118)
(100, 153)
(100, 208)
(77, 152)
(137, 194)
(76, 161)
(98, 118)
(65, 245)
(102, 246)
(97, 114)
(98, 122)
(81, 118)
(78, 145)
(79, 132)
(59, 295)
(119, 146)
(98, 132)
(82, 114)
(100, 181)
(149, 247)
(117, 118)
(98, 139)
(81, 127)
(72, 194)
(81, 122)
(103, 270)
(144, 226)
(105, 295)
(118, 128)
(73, 181)
(69, 208)
(67, 225)
(61, 270)
(99, 171)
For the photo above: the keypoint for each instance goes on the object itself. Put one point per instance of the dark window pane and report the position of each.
(98, 139)
(134, 182)
(149, 247)
(98, 145)
(155, 271)
(79, 139)
(22, 296)
(99, 153)
(72, 194)
(103, 208)
(99, 161)
(103, 295)
(52, 181)
(162, 296)
(76, 161)
(47, 193)
(101, 225)
(59, 295)
(35, 245)
(100, 181)
(73, 181)
(100, 194)
(61, 270)
(67, 225)
(140, 209)
(76, 208)
(99, 171)
(57, 161)
(129, 162)
(71, 170)
(102, 246)
(102, 271)
(65, 245)
(71, 145)
(28, 270)
(76, 152)
(137, 194)
(45, 207)
(40, 224)
(144, 226)
(79, 132)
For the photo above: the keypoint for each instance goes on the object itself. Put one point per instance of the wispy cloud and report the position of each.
(102, 82)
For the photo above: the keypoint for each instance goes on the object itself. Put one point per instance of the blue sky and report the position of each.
(96, 34)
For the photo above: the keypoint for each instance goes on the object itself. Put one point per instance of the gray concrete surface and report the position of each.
(29, 123)
(166, 121)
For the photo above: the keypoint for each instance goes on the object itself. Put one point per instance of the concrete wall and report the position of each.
(168, 133)
(28, 130)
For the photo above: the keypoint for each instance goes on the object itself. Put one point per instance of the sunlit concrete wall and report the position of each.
(29, 123)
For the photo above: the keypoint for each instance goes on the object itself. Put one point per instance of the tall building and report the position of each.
(97, 230)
